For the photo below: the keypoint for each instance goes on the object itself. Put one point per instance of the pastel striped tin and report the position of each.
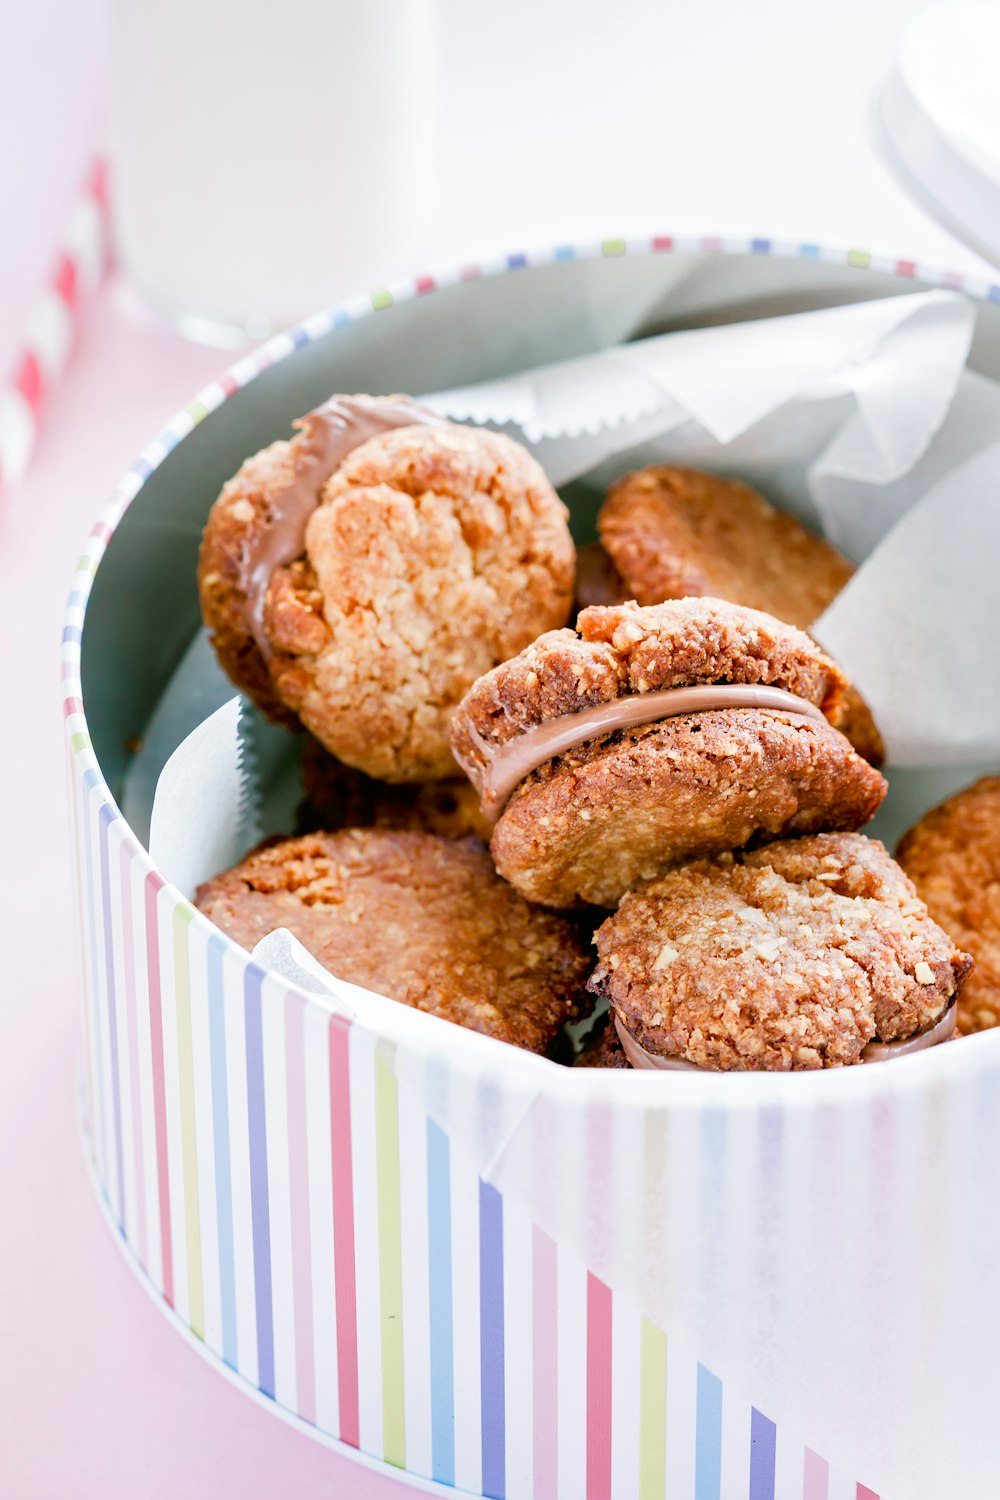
(295, 1206)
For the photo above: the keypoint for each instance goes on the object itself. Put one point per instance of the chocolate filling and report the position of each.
(506, 765)
(325, 437)
(873, 1052)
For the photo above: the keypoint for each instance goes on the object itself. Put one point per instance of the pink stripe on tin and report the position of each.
(544, 1364)
(815, 1477)
(598, 1389)
(131, 1021)
(298, 1188)
(345, 1275)
(154, 884)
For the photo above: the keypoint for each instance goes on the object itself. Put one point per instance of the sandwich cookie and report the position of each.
(359, 577)
(651, 736)
(809, 953)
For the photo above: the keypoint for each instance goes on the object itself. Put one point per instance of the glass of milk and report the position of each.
(268, 158)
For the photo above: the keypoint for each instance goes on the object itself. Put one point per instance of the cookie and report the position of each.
(671, 533)
(602, 1047)
(798, 955)
(361, 576)
(336, 796)
(602, 774)
(953, 858)
(597, 579)
(423, 920)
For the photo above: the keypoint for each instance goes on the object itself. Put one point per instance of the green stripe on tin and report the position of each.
(861, 259)
(612, 247)
(380, 298)
(80, 740)
(197, 411)
(652, 1411)
(87, 564)
(390, 1255)
(183, 916)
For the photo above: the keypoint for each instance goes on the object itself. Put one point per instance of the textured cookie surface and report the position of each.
(671, 532)
(617, 650)
(337, 796)
(590, 824)
(953, 858)
(423, 920)
(433, 552)
(792, 956)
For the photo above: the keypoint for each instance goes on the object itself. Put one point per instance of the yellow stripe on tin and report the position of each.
(390, 1255)
(652, 1411)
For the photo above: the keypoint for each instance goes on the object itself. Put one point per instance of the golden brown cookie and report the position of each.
(625, 800)
(797, 955)
(953, 858)
(672, 532)
(597, 579)
(423, 920)
(360, 577)
(337, 796)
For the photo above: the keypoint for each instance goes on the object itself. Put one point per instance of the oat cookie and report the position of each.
(359, 577)
(796, 955)
(671, 532)
(337, 796)
(421, 919)
(627, 799)
(953, 858)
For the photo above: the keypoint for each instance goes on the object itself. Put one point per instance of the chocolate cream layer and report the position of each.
(324, 439)
(941, 1031)
(504, 766)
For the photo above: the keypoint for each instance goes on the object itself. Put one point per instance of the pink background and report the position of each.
(717, 121)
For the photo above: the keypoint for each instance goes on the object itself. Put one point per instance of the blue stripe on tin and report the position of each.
(760, 247)
(106, 817)
(993, 294)
(564, 252)
(299, 337)
(340, 318)
(491, 1339)
(516, 262)
(76, 600)
(143, 468)
(220, 1131)
(809, 252)
(439, 1290)
(253, 979)
(708, 1437)
(763, 1436)
(71, 633)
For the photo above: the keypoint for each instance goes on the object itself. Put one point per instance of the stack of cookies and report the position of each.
(685, 756)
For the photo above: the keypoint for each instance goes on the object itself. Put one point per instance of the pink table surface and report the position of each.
(98, 1394)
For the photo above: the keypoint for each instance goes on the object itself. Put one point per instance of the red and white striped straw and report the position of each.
(79, 268)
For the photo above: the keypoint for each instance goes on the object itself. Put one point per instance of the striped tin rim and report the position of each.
(363, 305)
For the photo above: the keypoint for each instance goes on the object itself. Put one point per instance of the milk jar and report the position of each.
(268, 158)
